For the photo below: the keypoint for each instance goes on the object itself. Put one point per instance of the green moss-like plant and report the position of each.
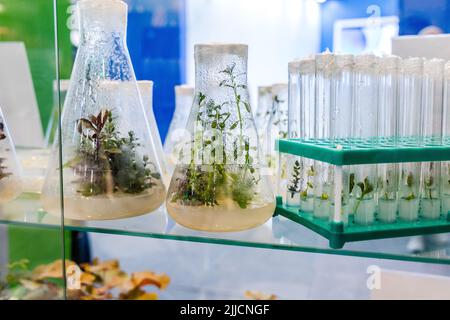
(206, 184)
(110, 158)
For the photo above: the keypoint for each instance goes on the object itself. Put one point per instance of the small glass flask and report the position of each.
(277, 128)
(323, 178)
(11, 180)
(178, 136)
(263, 112)
(445, 168)
(432, 113)
(341, 129)
(109, 164)
(219, 184)
(387, 134)
(410, 134)
(146, 91)
(363, 178)
(52, 126)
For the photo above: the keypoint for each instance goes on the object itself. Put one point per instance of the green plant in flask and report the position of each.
(218, 183)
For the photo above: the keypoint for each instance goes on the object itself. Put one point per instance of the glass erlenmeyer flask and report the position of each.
(108, 159)
(10, 170)
(218, 184)
(146, 90)
(177, 136)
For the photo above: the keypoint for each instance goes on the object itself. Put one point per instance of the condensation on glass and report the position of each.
(109, 166)
(219, 184)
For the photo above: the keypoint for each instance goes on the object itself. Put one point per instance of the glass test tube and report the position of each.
(293, 162)
(410, 134)
(387, 135)
(432, 111)
(340, 131)
(323, 178)
(445, 167)
(307, 85)
(365, 100)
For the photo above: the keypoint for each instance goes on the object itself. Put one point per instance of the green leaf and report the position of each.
(234, 125)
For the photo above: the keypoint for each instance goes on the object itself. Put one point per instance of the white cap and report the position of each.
(389, 63)
(324, 60)
(365, 62)
(279, 88)
(302, 66)
(434, 67)
(412, 65)
(343, 60)
(184, 89)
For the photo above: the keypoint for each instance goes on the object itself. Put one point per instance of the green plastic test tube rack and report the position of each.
(346, 152)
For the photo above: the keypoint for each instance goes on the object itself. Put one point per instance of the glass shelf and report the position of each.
(278, 233)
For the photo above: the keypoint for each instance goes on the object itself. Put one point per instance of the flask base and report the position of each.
(106, 207)
(225, 217)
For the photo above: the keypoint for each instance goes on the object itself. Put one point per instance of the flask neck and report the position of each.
(221, 73)
(220, 66)
(100, 20)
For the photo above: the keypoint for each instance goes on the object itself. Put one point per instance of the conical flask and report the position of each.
(277, 128)
(10, 171)
(219, 183)
(146, 90)
(109, 163)
(177, 136)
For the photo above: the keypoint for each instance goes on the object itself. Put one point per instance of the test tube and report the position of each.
(277, 128)
(293, 162)
(387, 135)
(410, 134)
(340, 131)
(363, 178)
(432, 111)
(445, 168)
(323, 178)
(301, 126)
